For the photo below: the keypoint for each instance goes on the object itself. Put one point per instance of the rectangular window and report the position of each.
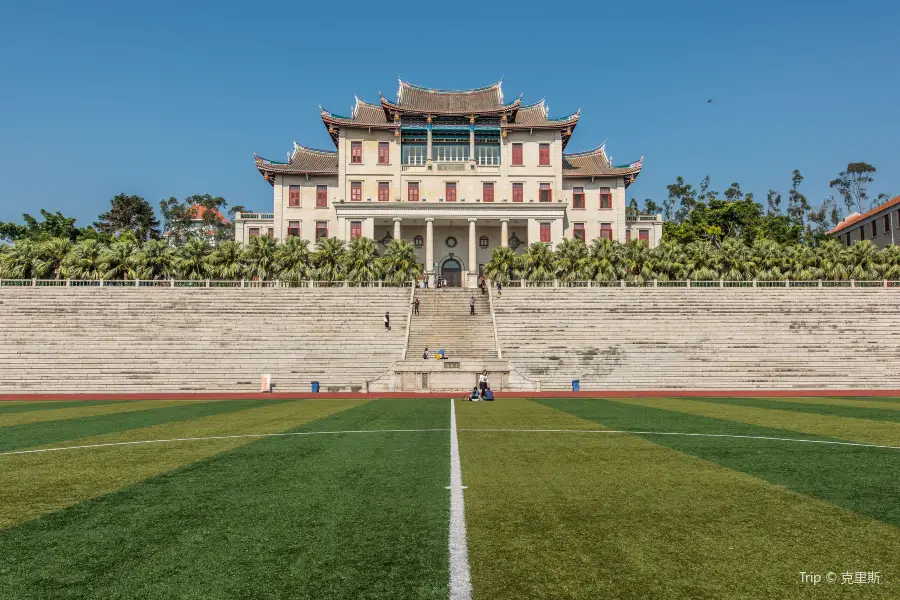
(578, 231)
(321, 230)
(606, 231)
(578, 197)
(862, 233)
(605, 198)
(294, 196)
(887, 223)
(545, 194)
(487, 192)
(544, 155)
(848, 238)
(293, 228)
(517, 155)
(545, 233)
(644, 236)
(355, 229)
(627, 235)
(356, 153)
(270, 233)
(412, 191)
(384, 153)
(451, 191)
(254, 232)
(321, 196)
(384, 191)
(518, 192)
(355, 191)
(874, 229)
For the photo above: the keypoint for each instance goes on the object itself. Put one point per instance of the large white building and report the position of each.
(456, 173)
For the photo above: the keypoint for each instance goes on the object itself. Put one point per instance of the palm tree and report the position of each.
(19, 260)
(602, 262)
(737, 261)
(155, 260)
(400, 263)
(84, 261)
(190, 260)
(537, 262)
(119, 258)
(361, 260)
(570, 260)
(292, 260)
(503, 266)
(328, 259)
(50, 255)
(226, 261)
(863, 260)
(636, 261)
(259, 258)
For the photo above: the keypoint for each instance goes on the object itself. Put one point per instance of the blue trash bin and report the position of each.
(576, 385)
(315, 387)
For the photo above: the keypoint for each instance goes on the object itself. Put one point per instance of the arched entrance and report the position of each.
(451, 271)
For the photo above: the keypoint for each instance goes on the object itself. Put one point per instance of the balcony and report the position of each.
(242, 216)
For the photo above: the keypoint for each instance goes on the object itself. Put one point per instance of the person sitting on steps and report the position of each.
(387, 321)
(471, 305)
(425, 354)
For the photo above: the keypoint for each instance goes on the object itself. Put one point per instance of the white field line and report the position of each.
(460, 578)
(715, 435)
(306, 433)
(218, 437)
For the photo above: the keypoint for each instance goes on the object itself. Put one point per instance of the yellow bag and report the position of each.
(438, 356)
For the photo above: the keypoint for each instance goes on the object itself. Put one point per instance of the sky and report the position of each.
(173, 98)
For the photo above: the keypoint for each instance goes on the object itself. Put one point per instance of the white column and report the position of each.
(504, 233)
(397, 227)
(473, 254)
(428, 143)
(429, 250)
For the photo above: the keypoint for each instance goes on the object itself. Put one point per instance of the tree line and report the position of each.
(264, 258)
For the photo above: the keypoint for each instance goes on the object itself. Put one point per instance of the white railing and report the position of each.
(198, 283)
(687, 283)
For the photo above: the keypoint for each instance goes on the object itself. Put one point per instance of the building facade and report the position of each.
(878, 225)
(456, 173)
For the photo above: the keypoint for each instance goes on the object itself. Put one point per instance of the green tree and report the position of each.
(773, 200)
(84, 261)
(361, 260)
(570, 260)
(400, 263)
(119, 257)
(50, 256)
(651, 207)
(853, 186)
(129, 213)
(328, 259)
(226, 261)
(18, 261)
(293, 260)
(602, 262)
(797, 206)
(190, 261)
(538, 262)
(53, 225)
(683, 196)
(260, 258)
(503, 266)
(155, 259)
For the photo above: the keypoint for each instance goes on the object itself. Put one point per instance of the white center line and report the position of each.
(460, 578)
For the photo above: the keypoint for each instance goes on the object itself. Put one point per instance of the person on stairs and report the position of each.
(471, 305)
(425, 355)
(483, 285)
(415, 306)
(387, 321)
(499, 288)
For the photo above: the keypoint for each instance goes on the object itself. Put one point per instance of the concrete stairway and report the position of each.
(444, 322)
(740, 338)
(159, 339)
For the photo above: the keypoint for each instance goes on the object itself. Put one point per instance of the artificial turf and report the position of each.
(553, 514)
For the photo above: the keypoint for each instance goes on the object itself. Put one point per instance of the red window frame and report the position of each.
(887, 223)
(578, 197)
(578, 231)
(321, 196)
(605, 198)
(450, 188)
(517, 154)
(545, 233)
(627, 235)
(412, 191)
(356, 153)
(384, 153)
(644, 236)
(293, 228)
(544, 155)
(606, 231)
(355, 229)
(545, 194)
(518, 192)
(487, 191)
(321, 230)
(356, 191)
(384, 191)
(294, 195)
(253, 232)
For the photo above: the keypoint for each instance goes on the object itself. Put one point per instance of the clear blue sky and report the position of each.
(173, 98)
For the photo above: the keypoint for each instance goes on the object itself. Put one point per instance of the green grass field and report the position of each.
(565, 498)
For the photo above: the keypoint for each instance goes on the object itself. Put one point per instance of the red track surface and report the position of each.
(553, 394)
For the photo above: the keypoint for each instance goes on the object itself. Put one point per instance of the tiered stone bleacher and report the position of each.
(116, 339)
(716, 338)
(444, 322)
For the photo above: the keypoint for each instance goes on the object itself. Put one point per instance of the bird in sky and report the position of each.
(709, 101)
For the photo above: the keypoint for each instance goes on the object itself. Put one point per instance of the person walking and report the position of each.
(483, 382)
(415, 306)
(471, 305)
(499, 288)
(387, 321)
(483, 285)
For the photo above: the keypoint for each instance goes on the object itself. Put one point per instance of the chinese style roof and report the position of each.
(427, 101)
(537, 116)
(595, 163)
(303, 161)
(363, 114)
(856, 217)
